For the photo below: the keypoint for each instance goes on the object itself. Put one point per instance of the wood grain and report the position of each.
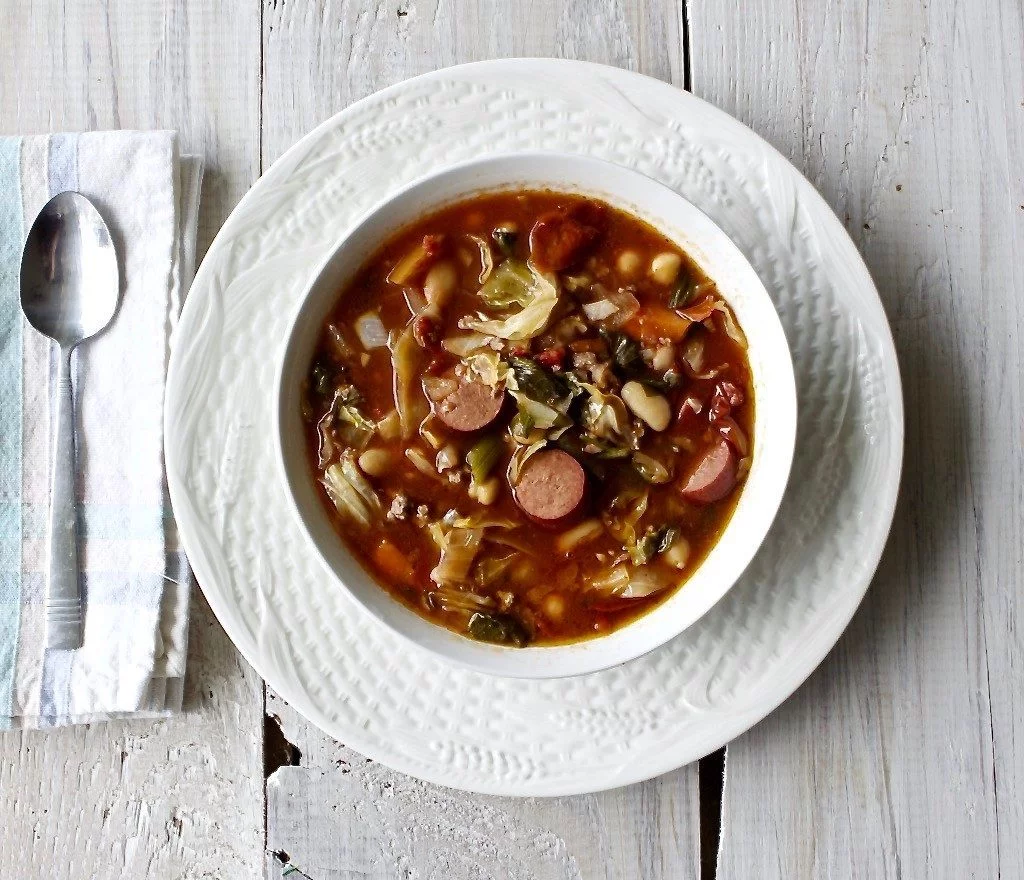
(901, 757)
(179, 798)
(334, 815)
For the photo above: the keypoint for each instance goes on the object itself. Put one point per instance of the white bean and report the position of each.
(554, 606)
(665, 267)
(375, 462)
(439, 285)
(487, 491)
(628, 263)
(664, 358)
(678, 553)
(647, 405)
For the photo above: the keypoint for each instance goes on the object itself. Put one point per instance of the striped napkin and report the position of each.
(134, 578)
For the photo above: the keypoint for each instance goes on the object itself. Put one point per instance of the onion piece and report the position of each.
(352, 495)
(693, 353)
(421, 462)
(412, 263)
(406, 365)
(613, 309)
(461, 600)
(486, 259)
(707, 307)
(645, 582)
(465, 343)
(732, 329)
(702, 310)
(599, 310)
(458, 551)
(414, 299)
(612, 582)
(734, 434)
(371, 331)
(578, 535)
(693, 360)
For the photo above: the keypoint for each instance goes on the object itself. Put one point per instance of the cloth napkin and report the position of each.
(133, 575)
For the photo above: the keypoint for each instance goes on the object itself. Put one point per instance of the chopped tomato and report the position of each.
(553, 358)
(558, 241)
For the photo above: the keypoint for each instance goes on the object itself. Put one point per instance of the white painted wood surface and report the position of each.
(901, 757)
(335, 816)
(181, 798)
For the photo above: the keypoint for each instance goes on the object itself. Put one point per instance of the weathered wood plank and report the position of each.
(902, 755)
(178, 798)
(334, 814)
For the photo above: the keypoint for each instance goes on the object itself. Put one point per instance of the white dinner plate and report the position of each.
(360, 682)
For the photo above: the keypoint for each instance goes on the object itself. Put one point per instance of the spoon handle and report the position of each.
(63, 601)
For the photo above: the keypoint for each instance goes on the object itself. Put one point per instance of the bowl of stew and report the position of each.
(536, 414)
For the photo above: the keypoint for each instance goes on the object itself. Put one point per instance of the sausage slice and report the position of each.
(551, 486)
(470, 407)
(714, 476)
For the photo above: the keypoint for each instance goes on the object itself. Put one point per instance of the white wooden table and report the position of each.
(903, 756)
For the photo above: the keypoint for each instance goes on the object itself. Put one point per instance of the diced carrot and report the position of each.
(392, 562)
(655, 322)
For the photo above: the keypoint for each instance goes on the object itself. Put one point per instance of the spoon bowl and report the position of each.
(69, 273)
(70, 288)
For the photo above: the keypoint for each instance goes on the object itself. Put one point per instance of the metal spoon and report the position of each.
(70, 287)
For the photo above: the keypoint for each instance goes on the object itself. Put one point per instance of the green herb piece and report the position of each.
(506, 240)
(354, 428)
(625, 351)
(613, 452)
(484, 456)
(521, 425)
(682, 292)
(655, 382)
(652, 470)
(653, 542)
(536, 382)
(320, 379)
(499, 629)
(348, 395)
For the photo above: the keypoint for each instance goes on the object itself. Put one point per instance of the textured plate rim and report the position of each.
(787, 682)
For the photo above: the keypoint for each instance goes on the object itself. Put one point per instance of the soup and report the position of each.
(530, 416)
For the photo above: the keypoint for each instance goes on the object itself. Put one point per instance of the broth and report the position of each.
(530, 417)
